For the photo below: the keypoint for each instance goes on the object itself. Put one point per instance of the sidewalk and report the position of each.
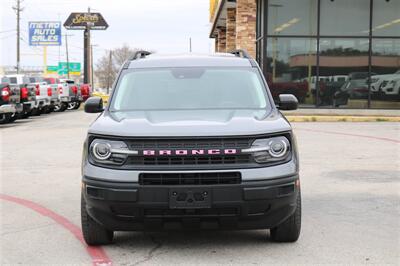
(343, 115)
(344, 112)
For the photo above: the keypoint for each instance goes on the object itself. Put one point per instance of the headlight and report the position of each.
(269, 150)
(101, 151)
(109, 151)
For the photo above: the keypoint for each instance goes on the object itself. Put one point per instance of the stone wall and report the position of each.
(221, 40)
(246, 11)
(231, 29)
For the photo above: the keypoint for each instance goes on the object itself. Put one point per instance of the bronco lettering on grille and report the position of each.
(189, 152)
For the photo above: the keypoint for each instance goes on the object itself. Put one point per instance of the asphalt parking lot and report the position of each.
(350, 187)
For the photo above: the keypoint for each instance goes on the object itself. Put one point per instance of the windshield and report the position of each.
(190, 88)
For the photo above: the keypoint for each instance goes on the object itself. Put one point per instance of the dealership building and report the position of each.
(329, 53)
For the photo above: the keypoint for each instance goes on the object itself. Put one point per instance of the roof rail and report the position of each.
(140, 54)
(241, 53)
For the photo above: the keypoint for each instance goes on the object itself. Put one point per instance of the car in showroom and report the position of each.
(190, 141)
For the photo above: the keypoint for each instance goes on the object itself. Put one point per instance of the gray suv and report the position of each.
(193, 142)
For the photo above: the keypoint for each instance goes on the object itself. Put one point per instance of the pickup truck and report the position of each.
(45, 93)
(72, 94)
(9, 102)
(86, 91)
(27, 96)
(63, 92)
(41, 100)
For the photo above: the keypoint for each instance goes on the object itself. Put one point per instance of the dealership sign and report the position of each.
(81, 21)
(44, 33)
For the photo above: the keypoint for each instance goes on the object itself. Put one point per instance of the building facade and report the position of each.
(329, 53)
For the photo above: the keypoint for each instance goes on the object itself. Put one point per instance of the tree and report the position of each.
(109, 64)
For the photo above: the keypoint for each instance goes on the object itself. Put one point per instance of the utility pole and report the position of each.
(66, 52)
(91, 65)
(86, 52)
(18, 9)
(190, 44)
(109, 72)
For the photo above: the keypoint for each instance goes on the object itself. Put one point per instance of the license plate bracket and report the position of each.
(189, 198)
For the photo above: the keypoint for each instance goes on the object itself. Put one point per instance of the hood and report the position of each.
(189, 123)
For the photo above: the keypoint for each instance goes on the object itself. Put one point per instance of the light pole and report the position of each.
(91, 65)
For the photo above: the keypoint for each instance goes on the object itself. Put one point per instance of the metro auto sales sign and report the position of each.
(44, 33)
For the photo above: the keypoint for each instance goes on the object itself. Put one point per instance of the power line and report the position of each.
(10, 30)
(7, 36)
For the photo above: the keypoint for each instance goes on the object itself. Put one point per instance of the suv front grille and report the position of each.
(192, 160)
(190, 178)
(221, 143)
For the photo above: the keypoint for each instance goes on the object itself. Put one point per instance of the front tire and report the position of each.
(289, 230)
(93, 232)
(63, 107)
(57, 108)
(13, 117)
(24, 115)
(71, 105)
(78, 104)
(36, 111)
(5, 118)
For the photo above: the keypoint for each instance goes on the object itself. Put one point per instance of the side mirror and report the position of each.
(288, 102)
(94, 105)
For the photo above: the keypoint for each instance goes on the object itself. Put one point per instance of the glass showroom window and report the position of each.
(344, 17)
(288, 17)
(291, 66)
(343, 72)
(385, 80)
(386, 18)
(356, 45)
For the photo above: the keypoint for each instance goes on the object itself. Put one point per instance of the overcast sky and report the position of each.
(161, 25)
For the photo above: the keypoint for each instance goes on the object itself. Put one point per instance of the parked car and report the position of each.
(352, 89)
(198, 143)
(378, 82)
(392, 88)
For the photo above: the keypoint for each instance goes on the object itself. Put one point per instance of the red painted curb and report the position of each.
(98, 255)
(349, 134)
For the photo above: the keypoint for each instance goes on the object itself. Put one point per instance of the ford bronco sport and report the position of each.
(190, 142)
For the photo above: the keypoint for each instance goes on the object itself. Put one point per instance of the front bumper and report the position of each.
(55, 101)
(28, 106)
(40, 103)
(45, 101)
(128, 206)
(7, 108)
(65, 99)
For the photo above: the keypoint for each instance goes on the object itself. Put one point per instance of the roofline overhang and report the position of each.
(216, 17)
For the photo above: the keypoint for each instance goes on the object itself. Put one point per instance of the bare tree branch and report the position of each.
(106, 70)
